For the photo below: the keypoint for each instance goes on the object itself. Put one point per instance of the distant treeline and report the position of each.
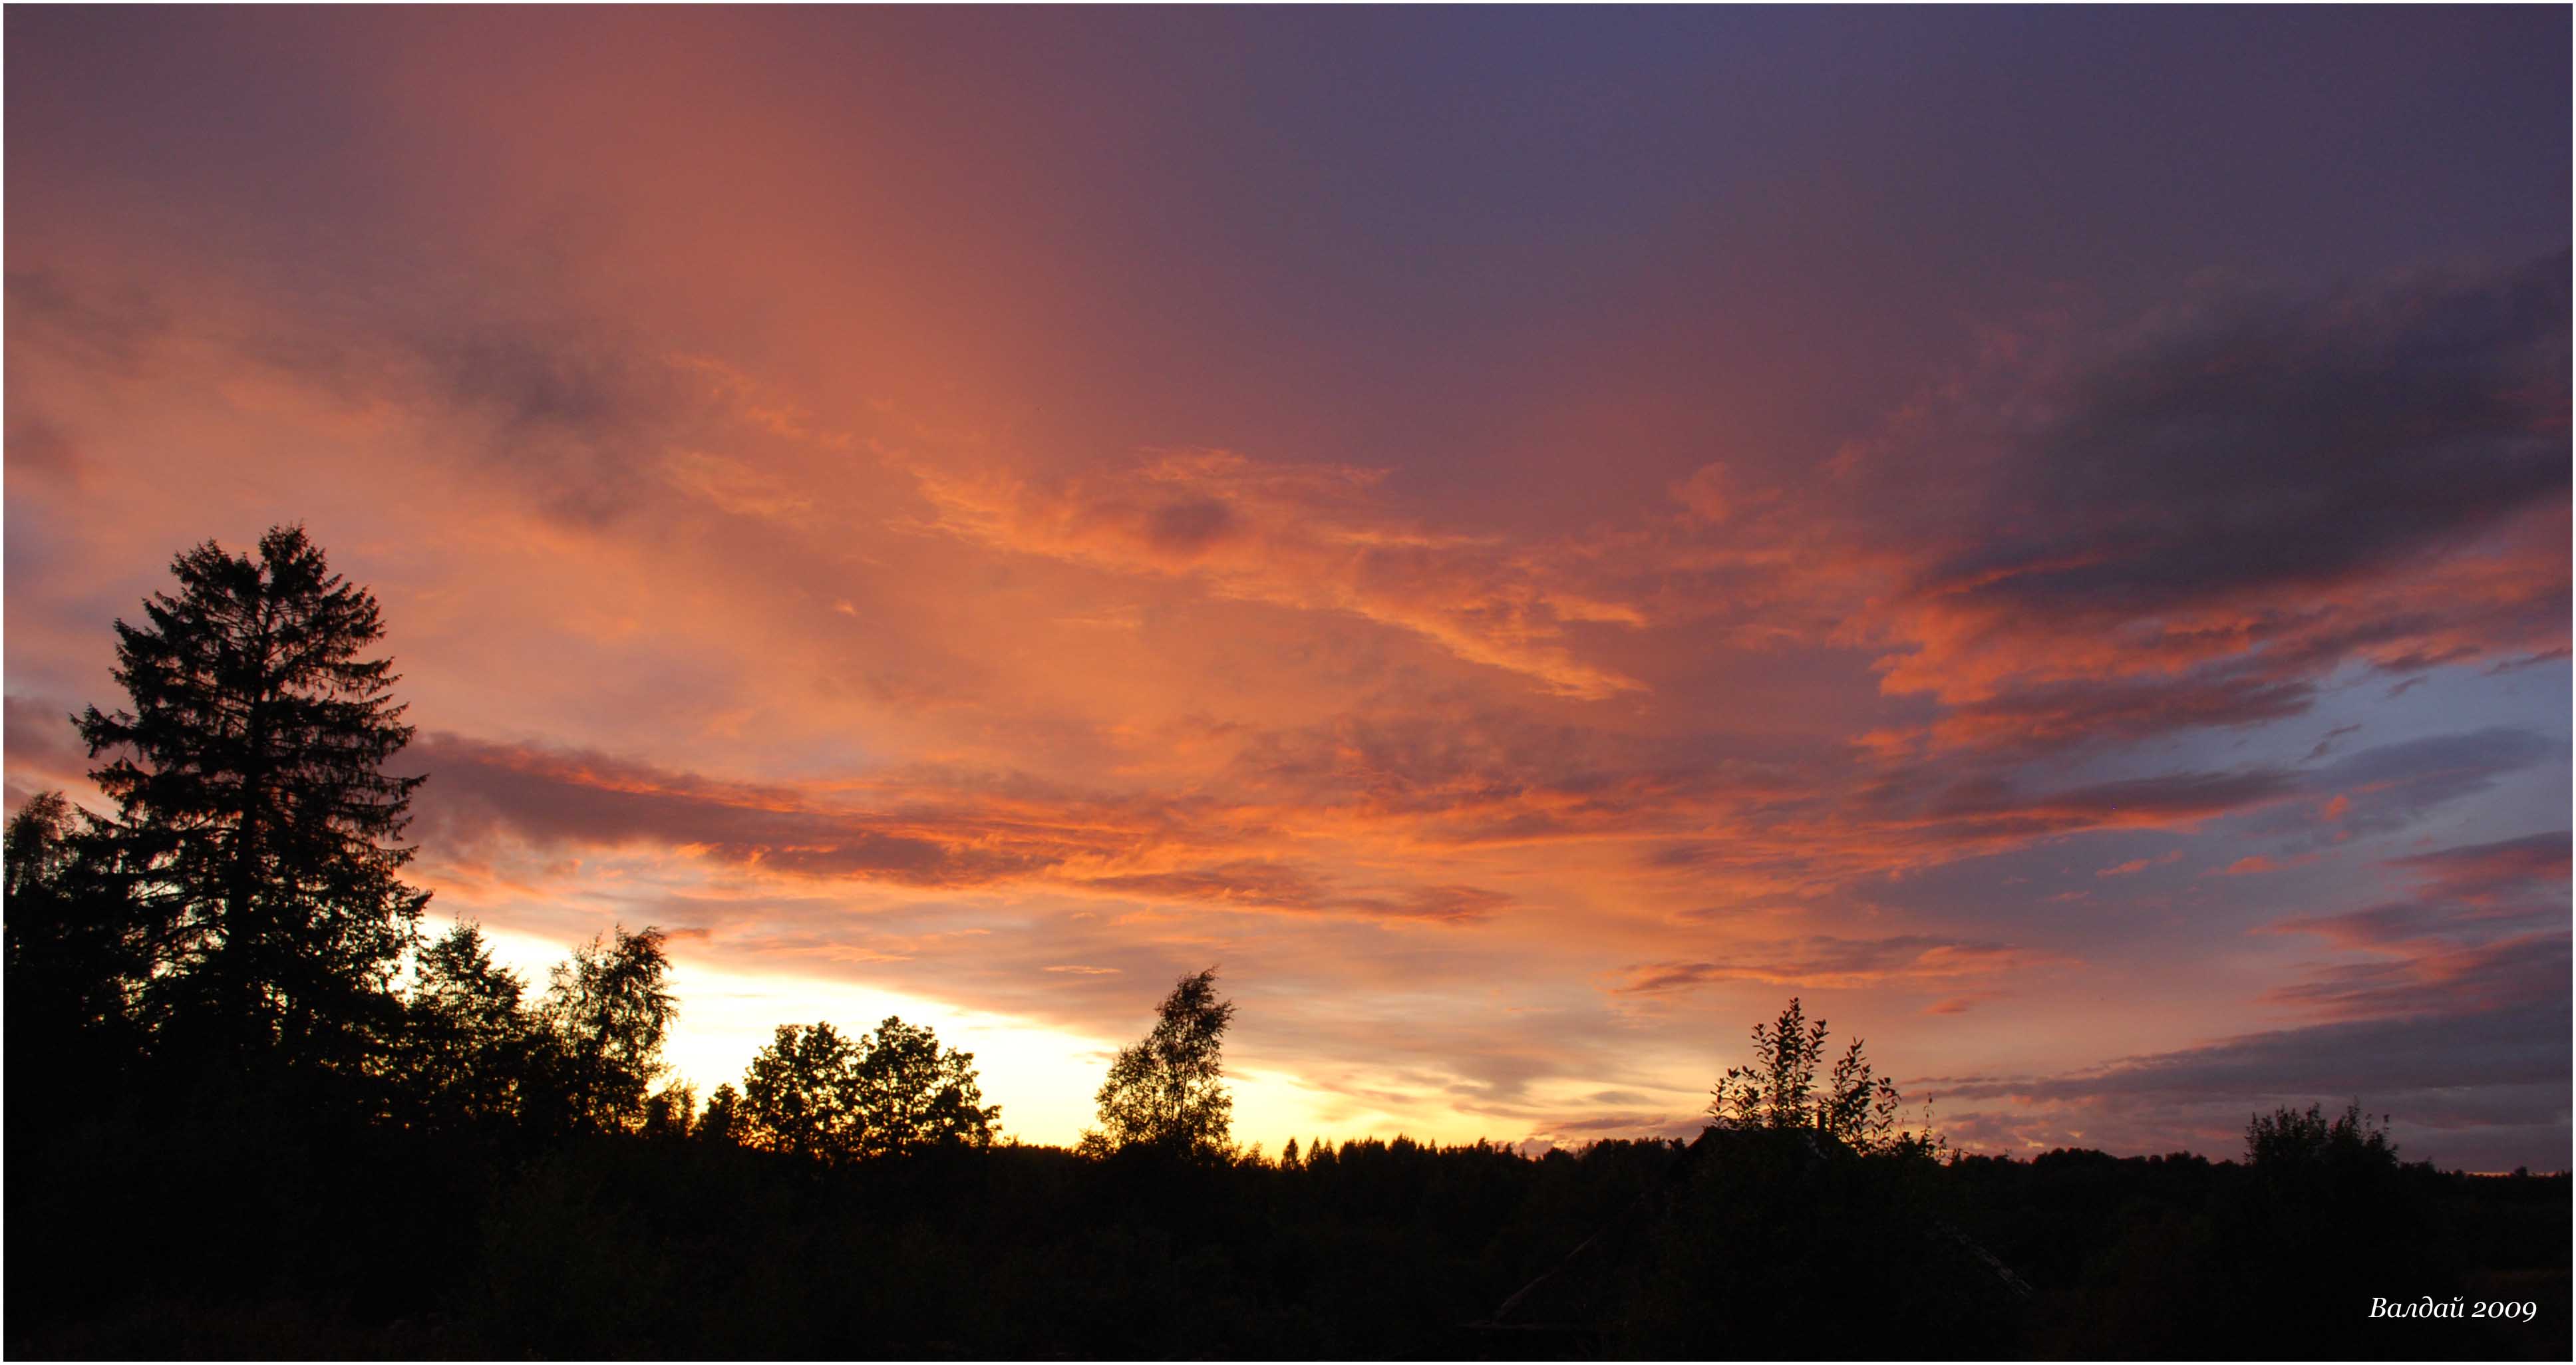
(252, 1113)
(230, 1226)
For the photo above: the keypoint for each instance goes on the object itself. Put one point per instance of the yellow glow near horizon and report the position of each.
(1044, 1078)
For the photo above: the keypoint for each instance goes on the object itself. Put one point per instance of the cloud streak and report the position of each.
(1304, 537)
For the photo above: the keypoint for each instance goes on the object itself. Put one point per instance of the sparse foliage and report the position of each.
(1167, 1093)
(605, 1016)
(1778, 1091)
(36, 847)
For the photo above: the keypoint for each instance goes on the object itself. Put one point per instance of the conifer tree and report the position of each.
(467, 1038)
(255, 821)
(73, 952)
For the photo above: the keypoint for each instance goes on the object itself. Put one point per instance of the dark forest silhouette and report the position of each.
(254, 1112)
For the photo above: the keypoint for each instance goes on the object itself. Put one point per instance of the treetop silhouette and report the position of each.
(815, 1094)
(2287, 1138)
(606, 1013)
(469, 1168)
(256, 826)
(1779, 1091)
(1167, 1092)
(76, 954)
(467, 1040)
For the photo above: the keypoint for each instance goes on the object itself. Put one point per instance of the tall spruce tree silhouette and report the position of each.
(255, 820)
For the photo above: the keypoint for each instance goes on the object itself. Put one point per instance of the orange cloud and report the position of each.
(1297, 536)
(2136, 865)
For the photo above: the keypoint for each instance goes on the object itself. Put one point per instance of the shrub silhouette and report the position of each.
(1778, 1090)
(1807, 1224)
(2286, 1137)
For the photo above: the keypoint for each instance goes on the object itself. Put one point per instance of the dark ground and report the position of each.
(237, 1230)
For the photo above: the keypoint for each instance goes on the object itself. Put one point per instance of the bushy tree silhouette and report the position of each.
(671, 1112)
(1167, 1093)
(721, 1123)
(798, 1097)
(255, 819)
(815, 1094)
(912, 1093)
(604, 1018)
(2286, 1138)
(35, 848)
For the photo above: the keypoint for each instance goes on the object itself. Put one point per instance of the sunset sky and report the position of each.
(1525, 538)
